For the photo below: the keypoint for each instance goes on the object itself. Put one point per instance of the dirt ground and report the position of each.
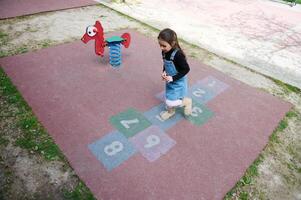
(26, 174)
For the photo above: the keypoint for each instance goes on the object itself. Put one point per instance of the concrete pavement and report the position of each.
(262, 35)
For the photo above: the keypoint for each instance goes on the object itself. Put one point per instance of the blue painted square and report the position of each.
(152, 143)
(112, 149)
(213, 84)
(161, 96)
(200, 93)
(153, 115)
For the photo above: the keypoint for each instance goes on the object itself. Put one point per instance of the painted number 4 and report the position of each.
(126, 123)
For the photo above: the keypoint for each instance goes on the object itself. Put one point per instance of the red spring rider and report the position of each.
(114, 43)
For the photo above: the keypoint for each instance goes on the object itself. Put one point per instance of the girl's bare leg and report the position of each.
(187, 103)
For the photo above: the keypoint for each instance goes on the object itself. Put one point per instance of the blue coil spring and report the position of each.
(115, 54)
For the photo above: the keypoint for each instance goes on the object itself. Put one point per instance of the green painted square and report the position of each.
(200, 114)
(129, 122)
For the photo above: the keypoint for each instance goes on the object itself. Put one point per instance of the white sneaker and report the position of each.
(167, 114)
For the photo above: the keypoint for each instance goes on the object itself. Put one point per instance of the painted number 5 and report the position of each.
(126, 123)
(199, 92)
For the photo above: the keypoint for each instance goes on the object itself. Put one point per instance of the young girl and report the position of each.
(174, 74)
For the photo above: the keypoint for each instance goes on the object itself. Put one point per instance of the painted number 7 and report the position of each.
(126, 123)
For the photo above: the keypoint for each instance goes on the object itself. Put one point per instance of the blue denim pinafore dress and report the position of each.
(176, 89)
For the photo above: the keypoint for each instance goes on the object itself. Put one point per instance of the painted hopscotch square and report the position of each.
(112, 149)
(200, 114)
(192, 91)
(200, 93)
(153, 115)
(152, 143)
(161, 96)
(213, 84)
(129, 122)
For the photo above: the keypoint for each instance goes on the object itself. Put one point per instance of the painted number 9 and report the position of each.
(152, 140)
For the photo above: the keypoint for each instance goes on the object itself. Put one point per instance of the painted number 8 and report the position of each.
(113, 148)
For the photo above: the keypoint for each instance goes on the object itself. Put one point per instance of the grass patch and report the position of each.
(247, 179)
(79, 193)
(3, 35)
(26, 48)
(298, 1)
(274, 138)
(287, 88)
(21, 49)
(34, 137)
(243, 196)
(2, 54)
(284, 123)
(3, 38)
(291, 114)
(17, 50)
(9, 91)
(3, 141)
(45, 43)
(252, 171)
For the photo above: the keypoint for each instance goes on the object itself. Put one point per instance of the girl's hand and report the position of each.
(168, 79)
(163, 76)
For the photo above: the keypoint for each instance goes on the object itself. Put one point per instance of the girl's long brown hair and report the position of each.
(170, 37)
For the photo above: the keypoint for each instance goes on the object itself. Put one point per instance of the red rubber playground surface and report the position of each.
(105, 121)
(14, 8)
